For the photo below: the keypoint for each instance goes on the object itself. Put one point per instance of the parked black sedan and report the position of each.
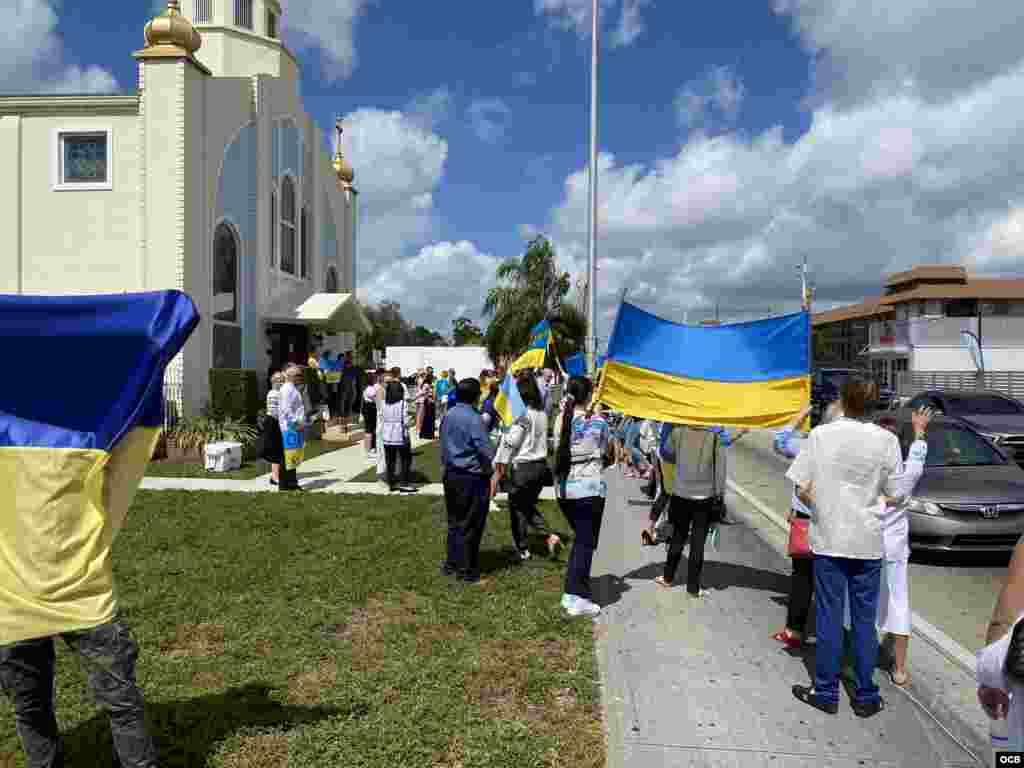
(971, 496)
(998, 417)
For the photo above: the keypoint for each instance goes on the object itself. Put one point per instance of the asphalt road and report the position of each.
(955, 593)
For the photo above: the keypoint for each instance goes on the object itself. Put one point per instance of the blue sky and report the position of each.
(736, 137)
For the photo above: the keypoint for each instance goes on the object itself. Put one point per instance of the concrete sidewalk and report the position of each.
(327, 473)
(703, 684)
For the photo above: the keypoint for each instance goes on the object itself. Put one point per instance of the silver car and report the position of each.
(971, 496)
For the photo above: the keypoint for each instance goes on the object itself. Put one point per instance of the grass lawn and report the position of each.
(249, 470)
(426, 466)
(317, 632)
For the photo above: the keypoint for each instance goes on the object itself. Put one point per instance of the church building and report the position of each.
(210, 178)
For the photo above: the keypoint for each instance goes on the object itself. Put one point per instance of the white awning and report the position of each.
(335, 312)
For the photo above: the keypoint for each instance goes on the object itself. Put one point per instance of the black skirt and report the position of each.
(429, 417)
(370, 417)
(273, 443)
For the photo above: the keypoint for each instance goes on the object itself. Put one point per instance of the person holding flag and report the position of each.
(71, 461)
(522, 462)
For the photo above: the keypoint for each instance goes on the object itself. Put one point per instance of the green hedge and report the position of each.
(235, 394)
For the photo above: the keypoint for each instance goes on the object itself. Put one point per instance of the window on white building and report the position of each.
(288, 226)
(83, 159)
(225, 274)
(331, 283)
(271, 24)
(273, 229)
(304, 244)
(203, 12)
(243, 14)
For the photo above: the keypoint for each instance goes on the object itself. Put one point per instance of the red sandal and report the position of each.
(788, 639)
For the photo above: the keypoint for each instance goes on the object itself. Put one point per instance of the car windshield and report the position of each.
(950, 446)
(982, 405)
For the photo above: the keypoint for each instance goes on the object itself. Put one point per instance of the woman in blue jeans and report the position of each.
(582, 451)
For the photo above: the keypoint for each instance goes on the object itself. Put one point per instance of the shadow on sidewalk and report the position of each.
(720, 575)
(608, 589)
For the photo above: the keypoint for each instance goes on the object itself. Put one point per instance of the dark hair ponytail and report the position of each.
(579, 390)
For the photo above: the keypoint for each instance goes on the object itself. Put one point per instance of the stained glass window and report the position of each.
(85, 159)
(225, 274)
(288, 226)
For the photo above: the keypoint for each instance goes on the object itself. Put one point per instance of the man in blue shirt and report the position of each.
(467, 457)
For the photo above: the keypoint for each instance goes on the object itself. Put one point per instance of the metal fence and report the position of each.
(910, 383)
(173, 404)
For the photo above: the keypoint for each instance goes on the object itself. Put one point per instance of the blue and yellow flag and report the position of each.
(72, 457)
(753, 374)
(533, 357)
(509, 403)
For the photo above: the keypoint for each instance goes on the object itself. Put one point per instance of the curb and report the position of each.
(932, 699)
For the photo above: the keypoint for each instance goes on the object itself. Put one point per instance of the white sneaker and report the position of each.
(583, 607)
(568, 600)
(524, 555)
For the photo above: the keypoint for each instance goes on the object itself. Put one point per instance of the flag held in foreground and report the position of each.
(71, 458)
(576, 365)
(509, 403)
(753, 374)
(535, 354)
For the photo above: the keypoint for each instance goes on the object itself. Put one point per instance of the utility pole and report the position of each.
(592, 250)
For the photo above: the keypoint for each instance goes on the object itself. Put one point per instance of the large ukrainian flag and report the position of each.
(753, 374)
(509, 402)
(536, 353)
(74, 447)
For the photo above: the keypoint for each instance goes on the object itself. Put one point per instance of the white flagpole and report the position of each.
(592, 255)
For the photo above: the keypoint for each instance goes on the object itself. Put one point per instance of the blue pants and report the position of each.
(467, 498)
(834, 577)
(584, 517)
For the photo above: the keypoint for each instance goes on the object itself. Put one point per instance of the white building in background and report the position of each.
(210, 178)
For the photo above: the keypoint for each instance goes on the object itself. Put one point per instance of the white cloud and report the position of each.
(398, 165)
(710, 100)
(578, 15)
(328, 27)
(442, 282)
(430, 109)
(869, 48)
(869, 189)
(33, 54)
(487, 117)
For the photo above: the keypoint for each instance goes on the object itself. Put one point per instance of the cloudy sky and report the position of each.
(737, 137)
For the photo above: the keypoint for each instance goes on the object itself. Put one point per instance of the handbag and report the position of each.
(799, 545)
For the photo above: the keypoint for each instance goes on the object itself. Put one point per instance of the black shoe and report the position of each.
(447, 570)
(807, 695)
(273, 482)
(868, 710)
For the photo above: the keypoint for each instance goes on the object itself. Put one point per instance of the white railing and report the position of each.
(910, 383)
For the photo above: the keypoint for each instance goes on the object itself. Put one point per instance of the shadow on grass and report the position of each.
(188, 731)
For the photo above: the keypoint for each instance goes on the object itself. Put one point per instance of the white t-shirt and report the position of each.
(526, 439)
(849, 465)
(370, 394)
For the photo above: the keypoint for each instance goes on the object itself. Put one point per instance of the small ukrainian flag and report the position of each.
(533, 357)
(509, 403)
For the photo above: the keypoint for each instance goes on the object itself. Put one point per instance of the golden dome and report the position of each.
(344, 171)
(173, 29)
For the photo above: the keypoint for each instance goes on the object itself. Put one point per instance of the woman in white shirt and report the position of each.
(273, 447)
(395, 423)
(522, 459)
(894, 594)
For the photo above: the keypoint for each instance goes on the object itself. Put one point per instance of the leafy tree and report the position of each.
(466, 333)
(528, 290)
(391, 329)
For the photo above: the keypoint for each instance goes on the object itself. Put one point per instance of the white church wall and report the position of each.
(10, 204)
(93, 248)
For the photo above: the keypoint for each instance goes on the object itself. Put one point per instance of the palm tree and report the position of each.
(528, 290)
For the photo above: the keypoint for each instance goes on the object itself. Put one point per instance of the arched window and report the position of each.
(225, 274)
(304, 245)
(288, 225)
(331, 284)
(273, 229)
